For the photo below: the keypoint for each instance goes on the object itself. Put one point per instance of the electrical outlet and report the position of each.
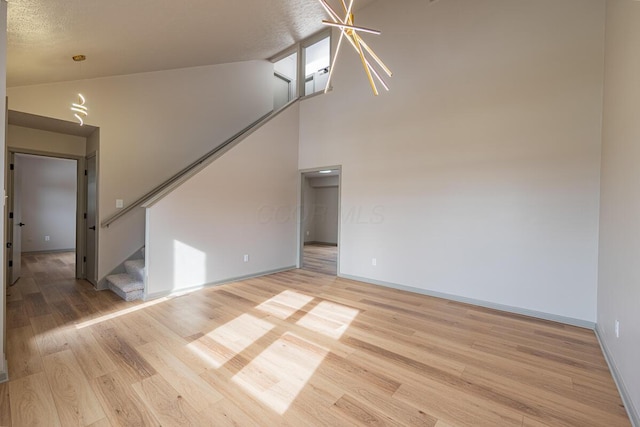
(47, 238)
(119, 203)
(246, 258)
(617, 329)
(374, 262)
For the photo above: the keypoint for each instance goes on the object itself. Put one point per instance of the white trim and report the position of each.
(218, 283)
(510, 309)
(632, 411)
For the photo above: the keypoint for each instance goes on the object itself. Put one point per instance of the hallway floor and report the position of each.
(321, 259)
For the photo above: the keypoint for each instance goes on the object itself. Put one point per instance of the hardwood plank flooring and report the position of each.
(299, 348)
(320, 258)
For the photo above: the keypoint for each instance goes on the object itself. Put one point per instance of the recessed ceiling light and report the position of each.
(327, 171)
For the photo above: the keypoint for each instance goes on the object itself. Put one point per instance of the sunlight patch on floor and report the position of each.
(223, 343)
(120, 313)
(285, 304)
(280, 371)
(329, 319)
(290, 361)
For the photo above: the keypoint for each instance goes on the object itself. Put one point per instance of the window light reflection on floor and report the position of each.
(329, 319)
(290, 362)
(276, 375)
(120, 313)
(285, 304)
(223, 343)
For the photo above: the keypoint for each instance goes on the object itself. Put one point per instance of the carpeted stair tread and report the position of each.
(125, 282)
(127, 296)
(135, 267)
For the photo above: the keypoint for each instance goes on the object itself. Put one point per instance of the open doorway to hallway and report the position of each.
(43, 204)
(54, 138)
(320, 223)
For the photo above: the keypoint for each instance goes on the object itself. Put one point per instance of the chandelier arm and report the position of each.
(366, 69)
(349, 18)
(351, 27)
(330, 11)
(335, 60)
(344, 5)
(380, 79)
(353, 44)
(374, 56)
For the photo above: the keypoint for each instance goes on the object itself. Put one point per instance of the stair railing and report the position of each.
(197, 165)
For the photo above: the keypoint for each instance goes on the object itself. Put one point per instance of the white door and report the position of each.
(16, 256)
(91, 223)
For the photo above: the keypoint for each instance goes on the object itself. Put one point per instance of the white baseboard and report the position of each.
(217, 283)
(4, 370)
(510, 309)
(632, 411)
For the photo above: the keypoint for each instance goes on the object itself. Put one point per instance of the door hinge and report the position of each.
(10, 215)
(11, 166)
(85, 215)
(86, 172)
(84, 259)
(9, 245)
(10, 263)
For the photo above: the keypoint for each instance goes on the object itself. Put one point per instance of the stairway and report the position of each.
(130, 285)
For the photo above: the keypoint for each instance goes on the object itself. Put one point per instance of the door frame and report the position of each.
(81, 192)
(301, 211)
(92, 280)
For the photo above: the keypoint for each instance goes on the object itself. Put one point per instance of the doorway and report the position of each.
(54, 138)
(49, 189)
(320, 220)
(43, 204)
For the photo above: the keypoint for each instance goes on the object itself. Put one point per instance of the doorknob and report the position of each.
(92, 228)
(21, 224)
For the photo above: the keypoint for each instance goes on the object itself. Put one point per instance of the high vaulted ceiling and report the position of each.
(124, 36)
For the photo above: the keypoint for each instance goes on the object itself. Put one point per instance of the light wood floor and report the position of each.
(296, 348)
(320, 258)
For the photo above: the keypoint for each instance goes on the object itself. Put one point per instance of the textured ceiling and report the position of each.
(124, 37)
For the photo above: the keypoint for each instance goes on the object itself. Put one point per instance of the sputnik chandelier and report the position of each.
(349, 31)
(79, 108)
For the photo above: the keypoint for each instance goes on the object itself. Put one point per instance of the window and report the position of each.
(285, 79)
(302, 69)
(317, 61)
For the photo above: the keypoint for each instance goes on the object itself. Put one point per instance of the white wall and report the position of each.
(619, 269)
(3, 80)
(21, 138)
(48, 188)
(478, 175)
(326, 215)
(243, 203)
(151, 126)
